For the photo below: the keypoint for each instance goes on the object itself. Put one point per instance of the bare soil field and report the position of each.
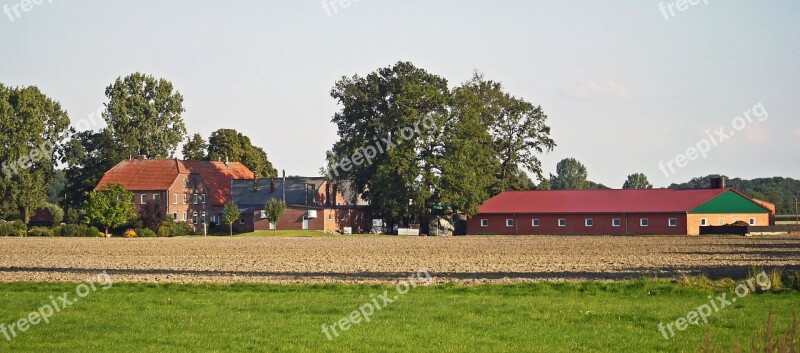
(386, 259)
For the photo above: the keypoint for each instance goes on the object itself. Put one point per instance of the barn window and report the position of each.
(644, 222)
(241, 221)
(704, 222)
(263, 214)
(588, 222)
(562, 222)
(752, 221)
(673, 222)
(535, 222)
(616, 222)
(484, 222)
(509, 222)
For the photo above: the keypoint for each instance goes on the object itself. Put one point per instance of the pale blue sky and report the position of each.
(624, 87)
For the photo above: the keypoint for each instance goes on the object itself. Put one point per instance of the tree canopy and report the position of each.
(33, 127)
(231, 145)
(637, 181)
(110, 208)
(778, 190)
(412, 146)
(195, 148)
(570, 175)
(144, 115)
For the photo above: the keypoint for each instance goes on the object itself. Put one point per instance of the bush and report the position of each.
(73, 230)
(94, 232)
(130, 233)
(40, 232)
(13, 229)
(181, 229)
(146, 233)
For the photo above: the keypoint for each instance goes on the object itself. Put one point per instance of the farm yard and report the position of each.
(384, 259)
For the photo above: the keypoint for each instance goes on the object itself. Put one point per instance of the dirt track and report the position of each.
(386, 259)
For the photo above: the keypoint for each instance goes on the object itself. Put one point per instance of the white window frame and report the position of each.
(185, 198)
(752, 221)
(203, 198)
(588, 222)
(185, 183)
(562, 224)
(672, 222)
(509, 222)
(241, 220)
(484, 222)
(155, 197)
(263, 214)
(194, 218)
(142, 199)
(535, 222)
(185, 216)
(644, 222)
(175, 199)
(175, 216)
(616, 222)
(194, 198)
(203, 217)
(703, 222)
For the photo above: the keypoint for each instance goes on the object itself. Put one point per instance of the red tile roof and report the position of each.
(218, 176)
(144, 174)
(599, 201)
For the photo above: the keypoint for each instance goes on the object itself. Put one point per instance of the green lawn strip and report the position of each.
(541, 317)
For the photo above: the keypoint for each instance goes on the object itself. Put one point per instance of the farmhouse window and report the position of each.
(535, 222)
(616, 222)
(194, 218)
(184, 217)
(185, 198)
(752, 221)
(175, 199)
(194, 197)
(588, 222)
(175, 216)
(509, 222)
(484, 222)
(704, 222)
(203, 218)
(562, 222)
(142, 199)
(644, 222)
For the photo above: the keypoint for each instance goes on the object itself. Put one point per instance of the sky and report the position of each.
(665, 88)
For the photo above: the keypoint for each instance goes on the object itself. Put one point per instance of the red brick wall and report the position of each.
(601, 225)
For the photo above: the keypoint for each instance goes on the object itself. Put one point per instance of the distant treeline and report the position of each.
(778, 190)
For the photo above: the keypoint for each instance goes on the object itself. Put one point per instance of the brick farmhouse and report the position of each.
(190, 191)
(616, 212)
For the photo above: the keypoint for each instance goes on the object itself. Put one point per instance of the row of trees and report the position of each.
(144, 116)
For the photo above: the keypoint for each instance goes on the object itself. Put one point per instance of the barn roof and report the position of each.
(599, 201)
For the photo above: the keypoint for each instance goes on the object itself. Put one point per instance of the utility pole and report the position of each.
(796, 215)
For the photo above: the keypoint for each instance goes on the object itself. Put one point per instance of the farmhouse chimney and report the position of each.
(718, 183)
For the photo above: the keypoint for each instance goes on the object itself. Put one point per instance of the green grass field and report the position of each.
(543, 317)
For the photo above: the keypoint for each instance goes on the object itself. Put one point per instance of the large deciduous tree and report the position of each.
(228, 144)
(571, 175)
(33, 127)
(390, 137)
(144, 115)
(637, 181)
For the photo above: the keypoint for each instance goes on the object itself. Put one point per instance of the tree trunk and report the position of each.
(231, 227)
